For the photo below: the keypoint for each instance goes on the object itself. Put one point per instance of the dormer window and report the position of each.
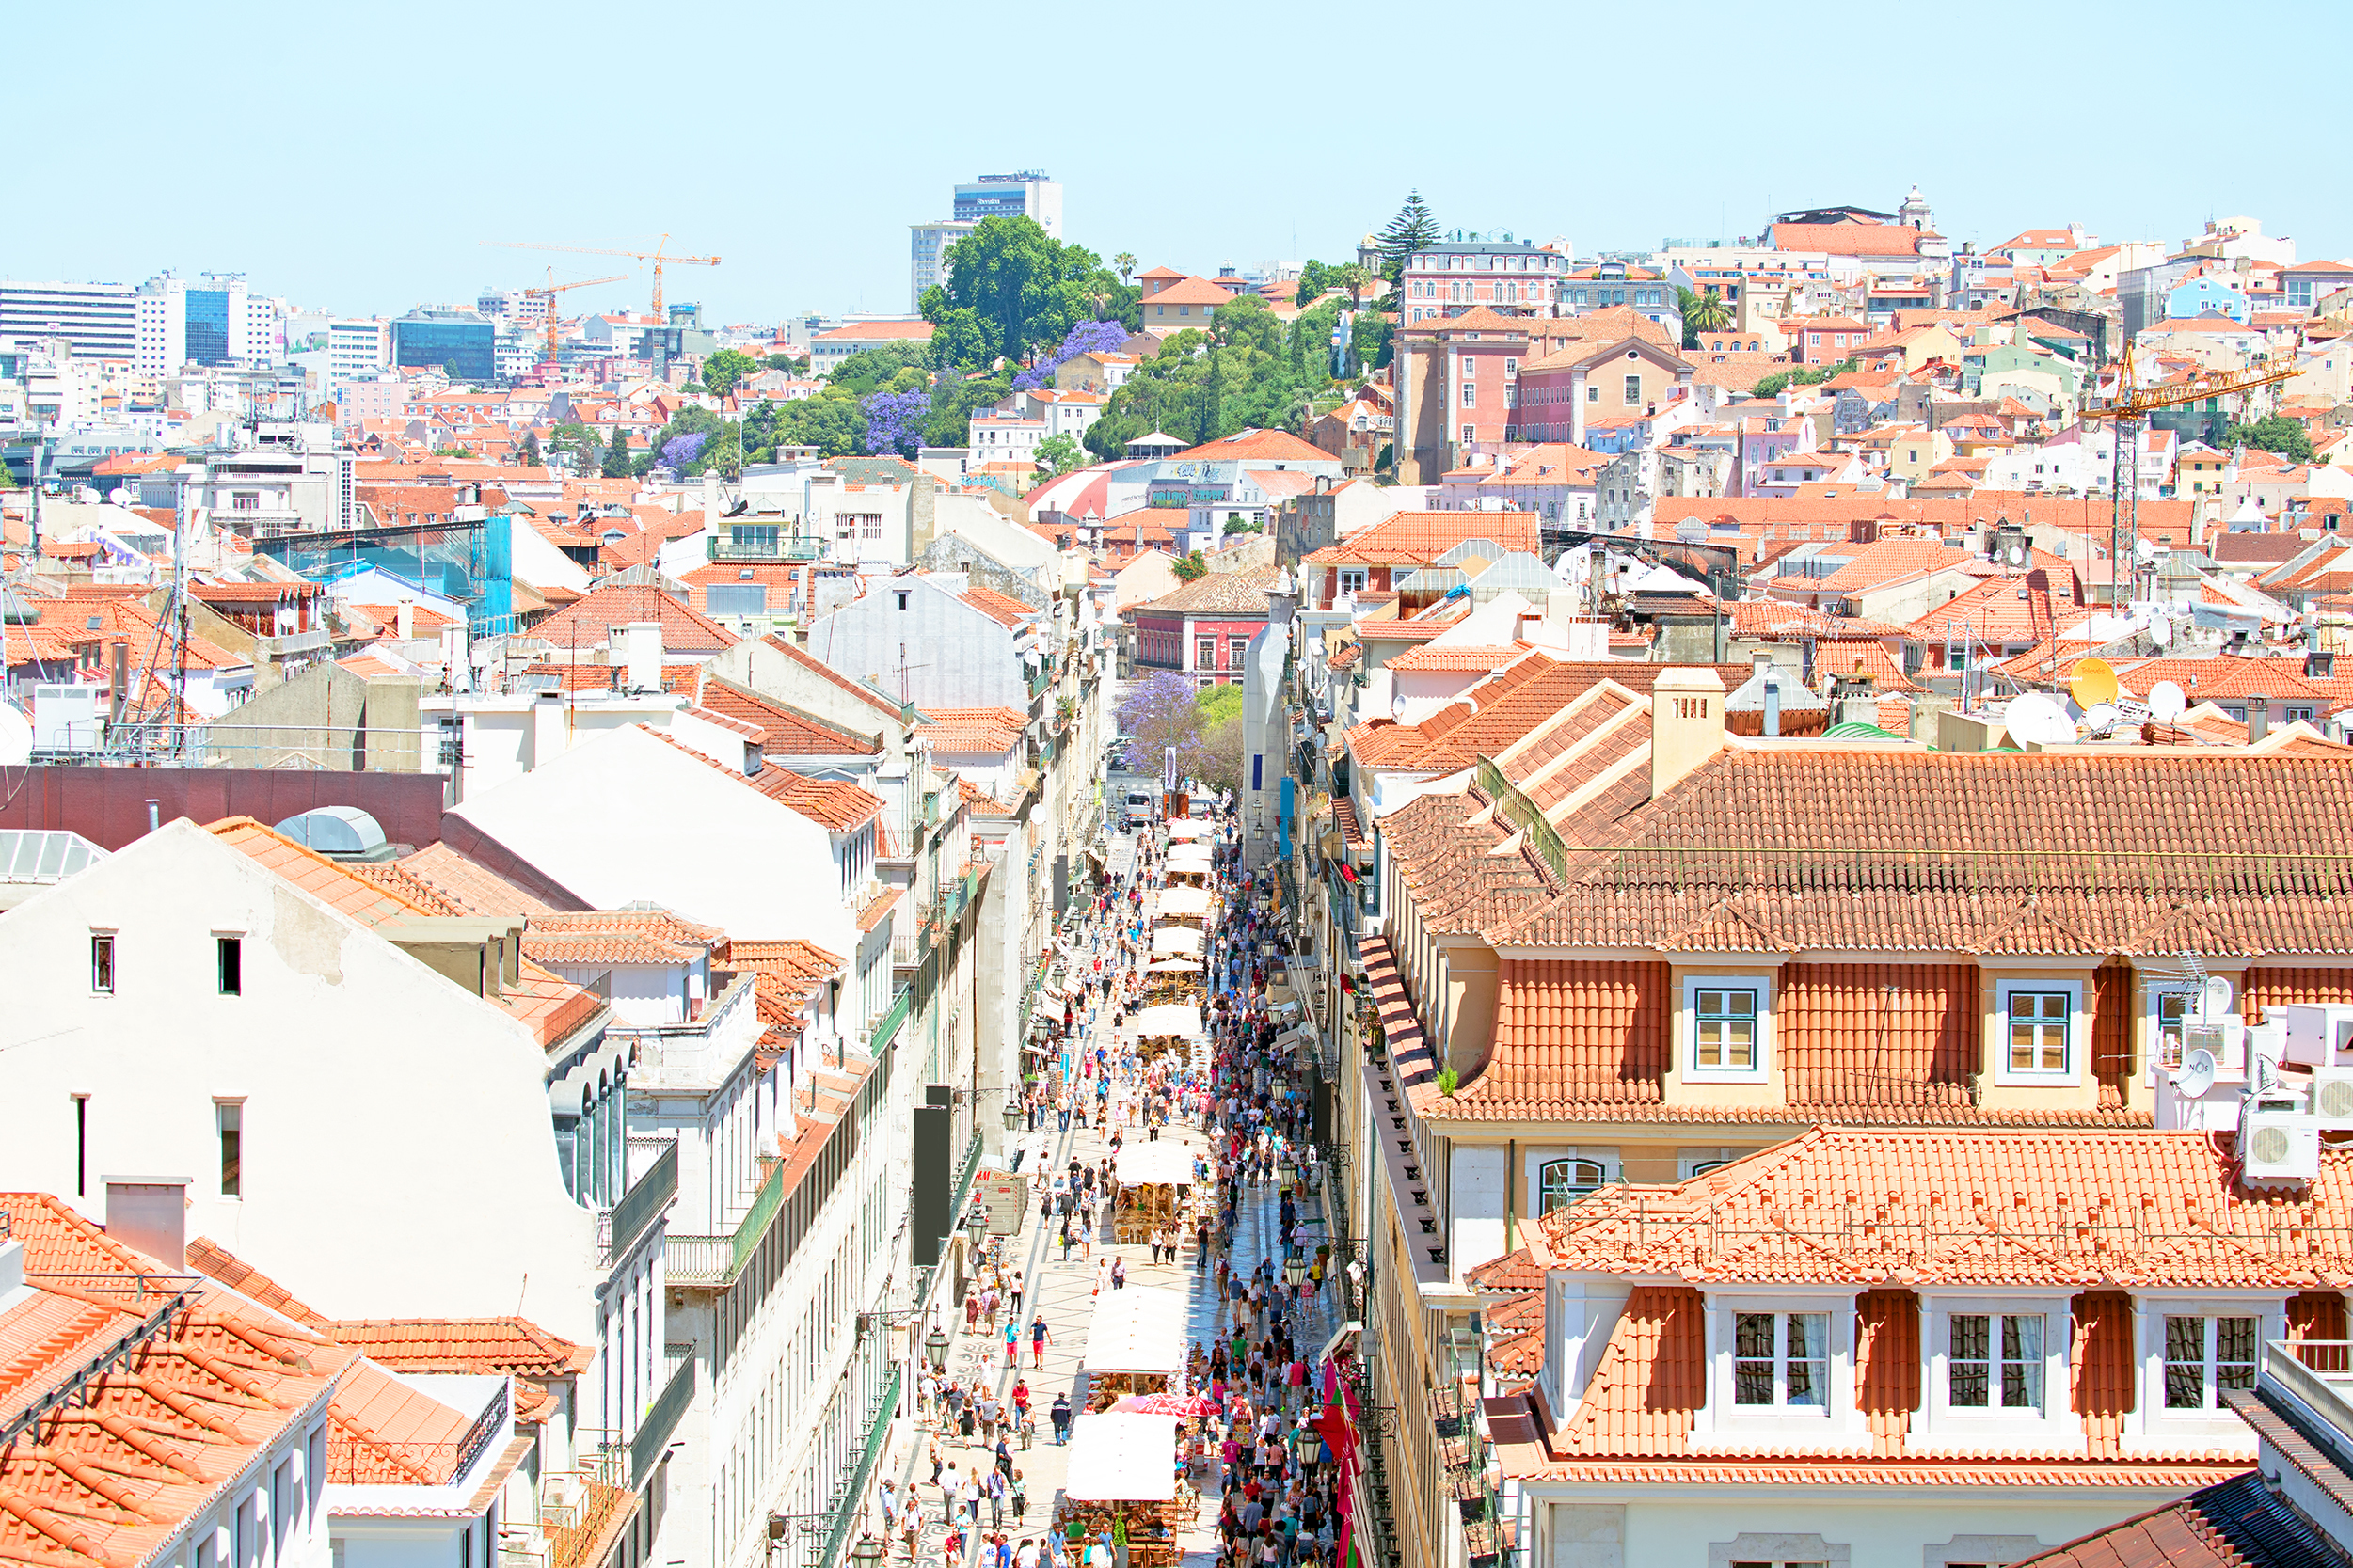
(2205, 1357)
(1781, 1359)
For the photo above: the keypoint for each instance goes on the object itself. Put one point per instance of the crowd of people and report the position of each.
(1255, 1446)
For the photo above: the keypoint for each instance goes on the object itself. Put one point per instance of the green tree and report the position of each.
(617, 455)
(788, 364)
(721, 371)
(878, 369)
(1023, 287)
(954, 402)
(530, 449)
(1414, 227)
(1190, 567)
(1125, 264)
(2274, 433)
(1352, 278)
(1060, 454)
(1314, 282)
(1701, 312)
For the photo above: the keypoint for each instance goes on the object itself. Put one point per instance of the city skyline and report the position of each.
(1770, 140)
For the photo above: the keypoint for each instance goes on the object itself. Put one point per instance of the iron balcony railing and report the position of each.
(487, 1426)
(886, 1029)
(660, 1425)
(647, 1196)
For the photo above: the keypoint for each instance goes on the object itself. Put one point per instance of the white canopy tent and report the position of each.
(1184, 854)
(1121, 1457)
(1181, 940)
(1175, 966)
(1189, 827)
(1140, 1329)
(1168, 1017)
(1169, 1164)
(1183, 903)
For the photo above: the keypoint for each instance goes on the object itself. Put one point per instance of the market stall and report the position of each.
(1135, 1344)
(1177, 941)
(1122, 1484)
(1151, 1185)
(1190, 827)
(1183, 903)
(1169, 1021)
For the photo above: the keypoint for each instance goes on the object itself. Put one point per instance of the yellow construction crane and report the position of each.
(2130, 408)
(658, 256)
(553, 289)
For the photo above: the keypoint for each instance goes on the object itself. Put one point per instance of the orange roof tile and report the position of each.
(1419, 538)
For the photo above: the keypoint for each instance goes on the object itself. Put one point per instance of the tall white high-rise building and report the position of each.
(1026, 194)
(357, 347)
(99, 320)
(215, 320)
(926, 250)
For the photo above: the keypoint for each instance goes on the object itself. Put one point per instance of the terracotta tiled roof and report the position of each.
(1418, 538)
(208, 1257)
(1234, 594)
(551, 1008)
(790, 958)
(1003, 611)
(589, 622)
(471, 889)
(1503, 709)
(1457, 659)
(122, 1469)
(2236, 1524)
(835, 804)
(481, 1345)
(1848, 239)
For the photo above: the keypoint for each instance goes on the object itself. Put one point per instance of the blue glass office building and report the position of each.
(208, 325)
(464, 344)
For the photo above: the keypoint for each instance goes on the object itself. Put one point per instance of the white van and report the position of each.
(1137, 811)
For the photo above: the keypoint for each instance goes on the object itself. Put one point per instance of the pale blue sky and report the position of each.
(351, 157)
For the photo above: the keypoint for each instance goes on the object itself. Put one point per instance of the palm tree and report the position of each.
(1123, 264)
(1706, 312)
(1351, 278)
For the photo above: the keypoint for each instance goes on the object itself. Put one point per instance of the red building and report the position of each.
(1205, 628)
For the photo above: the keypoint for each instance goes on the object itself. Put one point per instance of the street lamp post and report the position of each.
(935, 1349)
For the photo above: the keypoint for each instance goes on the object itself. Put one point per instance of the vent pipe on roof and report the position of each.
(2258, 717)
(1773, 700)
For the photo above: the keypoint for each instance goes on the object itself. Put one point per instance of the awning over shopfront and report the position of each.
(1181, 940)
(1121, 1457)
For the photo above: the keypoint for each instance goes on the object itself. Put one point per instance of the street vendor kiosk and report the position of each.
(1135, 1344)
(1151, 1186)
(1122, 1484)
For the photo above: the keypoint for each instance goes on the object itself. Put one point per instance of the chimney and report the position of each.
(405, 620)
(121, 682)
(2258, 717)
(150, 1214)
(643, 640)
(710, 500)
(1773, 700)
(1686, 724)
(546, 728)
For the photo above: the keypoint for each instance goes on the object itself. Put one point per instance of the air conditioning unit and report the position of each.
(2318, 1035)
(2280, 1148)
(2227, 1040)
(2332, 1098)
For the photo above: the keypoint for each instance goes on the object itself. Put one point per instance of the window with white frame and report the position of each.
(1994, 1361)
(2042, 1030)
(1352, 579)
(1726, 1022)
(1562, 1183)
(2207, 1356)
(1781, 1360)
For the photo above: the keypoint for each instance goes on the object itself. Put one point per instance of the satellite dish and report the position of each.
(2166, 701)
(2100, 717)
(2144, 551)
(2035, 719)
(2092, 682)
(2016, 555)
(2160, 631)
(2214, 999)
(2196, 1076)
(16, 736)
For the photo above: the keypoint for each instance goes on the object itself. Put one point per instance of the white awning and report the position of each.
(1183, 901)
(1187, 855)
(1175, 966)
(1139, 1329)
(1168, 1017)
(1182, 940)
(1121, 1457)
(1150, 1165)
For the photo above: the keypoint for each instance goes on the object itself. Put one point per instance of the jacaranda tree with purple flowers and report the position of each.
(1088, 337)
(679, 450)
(1157, 714)
(895, 421)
